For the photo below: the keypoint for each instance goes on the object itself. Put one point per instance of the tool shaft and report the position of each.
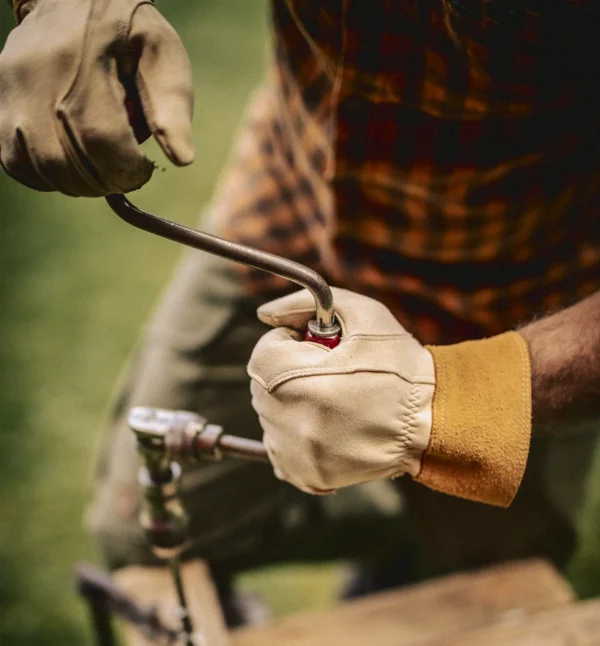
(241, 447)
(244, 254)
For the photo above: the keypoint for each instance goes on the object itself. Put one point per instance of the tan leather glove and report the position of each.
(457, 418)
(63, 125)
(333, 418)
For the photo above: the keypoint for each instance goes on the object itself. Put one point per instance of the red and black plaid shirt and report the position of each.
(442, 156)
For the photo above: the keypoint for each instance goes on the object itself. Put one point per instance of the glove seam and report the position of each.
(65, 133)
(376, 337)
(299, 373)
(468, 454)
(408, 430)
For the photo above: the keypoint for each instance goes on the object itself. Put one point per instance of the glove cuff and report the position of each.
(481, 419)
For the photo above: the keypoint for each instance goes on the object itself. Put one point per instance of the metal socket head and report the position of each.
(151, 425)
(164, 436)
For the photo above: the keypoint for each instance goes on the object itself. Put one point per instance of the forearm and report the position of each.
(565, 367)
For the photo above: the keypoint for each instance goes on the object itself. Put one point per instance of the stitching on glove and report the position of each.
(409, 427)
(377, 337)
(328, 371)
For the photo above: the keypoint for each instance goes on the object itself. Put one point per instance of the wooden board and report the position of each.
(424, 613)
(153, 587)
(576, 624)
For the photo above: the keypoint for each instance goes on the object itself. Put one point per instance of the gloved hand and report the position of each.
(457, 418)
(63, 125)
(333, 418)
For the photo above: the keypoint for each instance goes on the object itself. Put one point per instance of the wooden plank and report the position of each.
(575, 624)
(153, 587)
(422, 613)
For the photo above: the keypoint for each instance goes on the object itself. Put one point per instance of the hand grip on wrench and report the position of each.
(323, 329)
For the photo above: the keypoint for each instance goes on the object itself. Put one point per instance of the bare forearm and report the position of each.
(565, 367)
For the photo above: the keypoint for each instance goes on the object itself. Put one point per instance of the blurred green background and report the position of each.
(76, 286)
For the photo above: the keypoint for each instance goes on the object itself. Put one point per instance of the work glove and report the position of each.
(63, 124)
(456, 418)
(336, 417)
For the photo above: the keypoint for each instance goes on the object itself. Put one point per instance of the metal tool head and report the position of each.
(166, 435)
(151, 425)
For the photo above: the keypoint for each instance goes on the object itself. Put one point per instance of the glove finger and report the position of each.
(165, 84)
(97, 137)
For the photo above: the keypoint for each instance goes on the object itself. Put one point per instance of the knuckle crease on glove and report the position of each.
(125, 170)
(77, 156)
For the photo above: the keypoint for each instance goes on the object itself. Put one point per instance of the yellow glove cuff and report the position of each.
(481, 419)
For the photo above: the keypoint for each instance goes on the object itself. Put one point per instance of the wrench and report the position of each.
(323, 329)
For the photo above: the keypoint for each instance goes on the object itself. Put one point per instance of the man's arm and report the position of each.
(565, 367)
(458, 418)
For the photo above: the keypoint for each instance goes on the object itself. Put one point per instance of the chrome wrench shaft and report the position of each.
(324, 325)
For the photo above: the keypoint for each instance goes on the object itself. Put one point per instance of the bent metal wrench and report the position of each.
(323, 329)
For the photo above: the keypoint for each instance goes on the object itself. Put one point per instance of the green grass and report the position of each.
(76, 287)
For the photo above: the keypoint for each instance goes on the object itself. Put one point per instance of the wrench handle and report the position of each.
(324, 329)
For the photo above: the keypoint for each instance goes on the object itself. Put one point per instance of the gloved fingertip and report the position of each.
(127, 182)
(178, 146)
(264, 316)
(184, 151)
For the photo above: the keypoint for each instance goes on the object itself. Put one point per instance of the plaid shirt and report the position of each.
(442, 156)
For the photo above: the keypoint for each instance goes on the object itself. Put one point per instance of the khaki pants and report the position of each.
(193, 357)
